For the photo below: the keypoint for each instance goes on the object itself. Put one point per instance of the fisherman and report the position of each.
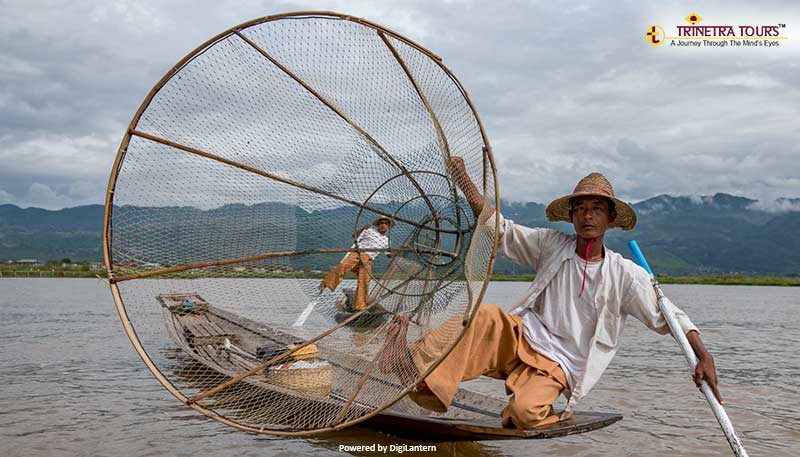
(564, 331)
(371, 240)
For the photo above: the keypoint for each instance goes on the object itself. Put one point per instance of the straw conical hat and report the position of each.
(593, 184)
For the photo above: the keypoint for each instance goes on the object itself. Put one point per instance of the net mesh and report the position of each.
(247, 178)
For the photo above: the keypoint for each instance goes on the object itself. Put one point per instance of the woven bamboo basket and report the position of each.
(312, 381)
(305, 353)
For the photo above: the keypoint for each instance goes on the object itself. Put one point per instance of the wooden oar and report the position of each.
(667, 309)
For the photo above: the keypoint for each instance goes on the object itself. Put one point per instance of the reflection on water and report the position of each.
(71, 384)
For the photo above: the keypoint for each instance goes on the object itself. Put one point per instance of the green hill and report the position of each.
(680, 235)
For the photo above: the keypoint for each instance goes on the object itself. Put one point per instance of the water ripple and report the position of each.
(72, 385)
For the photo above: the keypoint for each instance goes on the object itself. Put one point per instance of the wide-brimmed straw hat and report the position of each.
(597, 185)
(383, 218)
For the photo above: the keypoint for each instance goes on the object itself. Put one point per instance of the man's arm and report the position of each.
(463, 181)
(642, 303)
(358, 232)
(705, 368)
(520, 244)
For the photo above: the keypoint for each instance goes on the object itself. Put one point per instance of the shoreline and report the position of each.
(711, 279)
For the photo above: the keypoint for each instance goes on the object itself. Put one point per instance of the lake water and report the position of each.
(71, 384)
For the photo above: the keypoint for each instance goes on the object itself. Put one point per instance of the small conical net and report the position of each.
(250, 174)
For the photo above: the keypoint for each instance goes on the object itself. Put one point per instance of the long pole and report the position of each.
(667, 309)
(301, 319)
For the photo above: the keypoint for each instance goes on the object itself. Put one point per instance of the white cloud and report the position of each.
(750, 81)
(781, 205)
(43, 196)
(47, 155)
(6, 197)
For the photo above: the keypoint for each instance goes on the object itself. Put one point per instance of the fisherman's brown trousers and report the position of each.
(492, 346)
(361, 265)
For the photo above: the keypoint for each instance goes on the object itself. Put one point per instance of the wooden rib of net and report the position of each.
(241, 182)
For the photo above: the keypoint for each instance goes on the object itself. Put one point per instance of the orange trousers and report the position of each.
(493, 346)
(361, 265)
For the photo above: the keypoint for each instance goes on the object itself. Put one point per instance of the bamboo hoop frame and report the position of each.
(439, 131)
(272, 176)
(233, 261)
(254, 258)
(437, 229)
(382, 152)
(489, 163)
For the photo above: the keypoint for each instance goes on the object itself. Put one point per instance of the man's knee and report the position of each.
(519, 415)
(488, 311)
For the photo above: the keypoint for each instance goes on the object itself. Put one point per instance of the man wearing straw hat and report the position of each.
(562, 334)
(371, 240)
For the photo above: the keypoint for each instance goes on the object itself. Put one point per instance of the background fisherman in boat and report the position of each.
(560, 336)
(371, 236)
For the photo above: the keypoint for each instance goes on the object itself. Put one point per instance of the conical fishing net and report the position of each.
(256, 168)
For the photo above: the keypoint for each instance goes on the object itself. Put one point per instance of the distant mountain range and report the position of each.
(700, 235)
(680, 235)
(34, 233)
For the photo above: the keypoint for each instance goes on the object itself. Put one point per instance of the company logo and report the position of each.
(719, 36)
(693, 18)
(656, 35)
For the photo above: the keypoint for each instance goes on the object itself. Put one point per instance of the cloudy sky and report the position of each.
(562, 88)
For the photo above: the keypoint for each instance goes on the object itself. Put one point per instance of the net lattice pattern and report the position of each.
(242, 183)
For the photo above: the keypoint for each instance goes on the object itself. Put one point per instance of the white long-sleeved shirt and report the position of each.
(371, 238)
(573, 317)
(624, 289)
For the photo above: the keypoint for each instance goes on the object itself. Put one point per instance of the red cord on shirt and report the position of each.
(586, 263)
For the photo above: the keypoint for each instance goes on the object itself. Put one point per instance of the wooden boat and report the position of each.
(366, 321)
(371, 319)
(201, 331)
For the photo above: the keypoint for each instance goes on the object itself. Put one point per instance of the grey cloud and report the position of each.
(562, 89)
